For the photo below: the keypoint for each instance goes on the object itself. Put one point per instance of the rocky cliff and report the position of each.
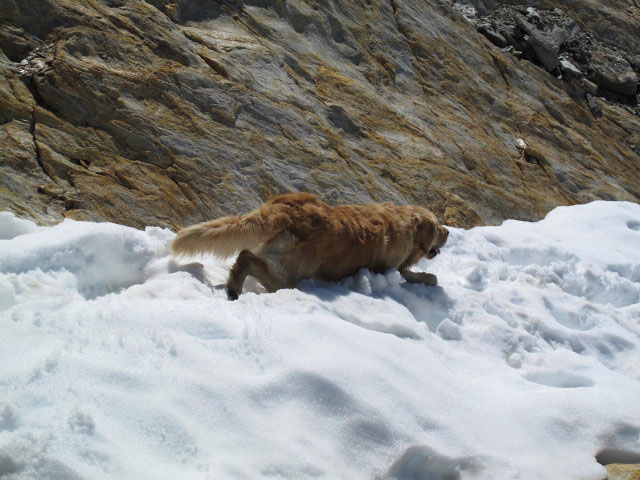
(169, 112)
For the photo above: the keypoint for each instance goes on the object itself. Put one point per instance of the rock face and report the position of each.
(555, 41)
(169, 112)
(614, 73)
(621, 471)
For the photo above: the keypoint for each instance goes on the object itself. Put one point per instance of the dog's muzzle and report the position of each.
(433, 252)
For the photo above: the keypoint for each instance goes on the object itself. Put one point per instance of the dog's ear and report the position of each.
(422, 221)
(424, 231)
(441, 236)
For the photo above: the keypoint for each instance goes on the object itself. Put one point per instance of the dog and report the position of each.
(295, 236)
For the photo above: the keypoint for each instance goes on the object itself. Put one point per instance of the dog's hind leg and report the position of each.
(250, 264)
(419, 277)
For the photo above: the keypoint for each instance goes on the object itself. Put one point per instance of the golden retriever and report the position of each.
(295, 236)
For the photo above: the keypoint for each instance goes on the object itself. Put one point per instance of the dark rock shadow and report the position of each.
(616, 455)
(621, 444)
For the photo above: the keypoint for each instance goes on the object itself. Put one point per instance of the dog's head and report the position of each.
(430, 236)
(439, 239)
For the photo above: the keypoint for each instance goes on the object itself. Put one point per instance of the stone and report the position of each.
(468, 11)
(569, 68)
(613, 72)
(543, 32)
(634, 61)
(532, 13)
(634, 142)
(590, 87)
(520, 144)
(573, 76)
(621, 471)
(610, 22)
(561, 31)
(494, 37)
(545, 46)
(594, 105)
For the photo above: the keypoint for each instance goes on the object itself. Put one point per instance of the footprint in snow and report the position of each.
(633, 225)
(559, 379)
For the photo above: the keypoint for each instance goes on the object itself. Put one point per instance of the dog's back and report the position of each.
(332, 243)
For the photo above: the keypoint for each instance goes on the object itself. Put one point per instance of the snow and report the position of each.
(119, 363)
(11, 226)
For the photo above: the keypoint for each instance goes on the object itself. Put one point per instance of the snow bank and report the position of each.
(11, 226)
(524, 363)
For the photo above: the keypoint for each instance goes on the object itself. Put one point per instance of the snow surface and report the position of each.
(118, 363)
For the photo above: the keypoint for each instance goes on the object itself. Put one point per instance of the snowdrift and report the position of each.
(119, 363)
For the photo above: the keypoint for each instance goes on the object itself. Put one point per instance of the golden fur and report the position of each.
(295, 236)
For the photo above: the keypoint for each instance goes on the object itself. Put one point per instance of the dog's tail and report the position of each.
(225, 236)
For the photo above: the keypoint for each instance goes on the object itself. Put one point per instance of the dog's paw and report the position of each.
(420, 277)
(429, 279)
(425, 278)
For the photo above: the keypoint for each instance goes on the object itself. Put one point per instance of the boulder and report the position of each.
(590, 87)
(594, 105)
(621, 471)
(545, 46)
(569, 68)
(494, 37)
(612, 72)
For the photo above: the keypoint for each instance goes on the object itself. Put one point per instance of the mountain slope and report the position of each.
(167, 113)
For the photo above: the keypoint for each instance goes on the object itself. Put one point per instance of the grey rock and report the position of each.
(573, 76)
(634, 61)
(468, 11)
(594, 105)
(547, 36)
(544, 45)
(494, 37)
(341, 120)
(590, 87)
(613, 72)
(609, 21)
(532, 13)
(569, 68)
(559, 34)
(621, 471)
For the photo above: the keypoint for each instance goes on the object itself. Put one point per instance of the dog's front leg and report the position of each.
(250, 264)
(419, 277)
